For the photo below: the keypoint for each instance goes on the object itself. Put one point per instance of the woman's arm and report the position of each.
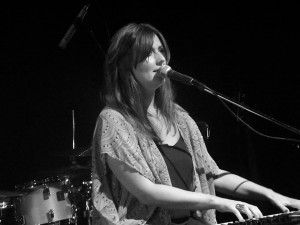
(169, 197)
(234, 185)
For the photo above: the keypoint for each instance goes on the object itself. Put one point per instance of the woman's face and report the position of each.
(147, 71)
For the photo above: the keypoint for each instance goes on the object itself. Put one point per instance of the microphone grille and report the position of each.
(165, 69)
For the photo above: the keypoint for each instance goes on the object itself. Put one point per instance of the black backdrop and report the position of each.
(251, 57)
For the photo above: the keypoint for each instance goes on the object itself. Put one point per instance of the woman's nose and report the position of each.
(160, 59)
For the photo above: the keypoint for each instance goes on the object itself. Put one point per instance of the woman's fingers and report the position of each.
(239, 215)
(239, 208)
(250, 210)
(242, 208)
(255, 212)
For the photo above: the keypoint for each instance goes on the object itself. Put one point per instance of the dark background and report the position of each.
(250, 57)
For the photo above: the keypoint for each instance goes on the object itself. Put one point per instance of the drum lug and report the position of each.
(20, 220)
(46, 192)
(75, 214)
(50, 215)
(60, 195)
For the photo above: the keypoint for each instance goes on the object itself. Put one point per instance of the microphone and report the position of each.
(72, 29)
(167, 71)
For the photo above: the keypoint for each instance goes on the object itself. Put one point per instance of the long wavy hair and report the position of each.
(131, 45)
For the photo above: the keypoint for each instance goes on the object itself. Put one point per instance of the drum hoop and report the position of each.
(33, 184)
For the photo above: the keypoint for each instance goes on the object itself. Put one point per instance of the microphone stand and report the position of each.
(78, 23)
(202, 87)
(74, 26)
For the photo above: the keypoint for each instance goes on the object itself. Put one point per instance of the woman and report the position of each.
(150, 163)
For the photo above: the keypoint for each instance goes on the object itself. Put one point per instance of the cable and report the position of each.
(252, 129)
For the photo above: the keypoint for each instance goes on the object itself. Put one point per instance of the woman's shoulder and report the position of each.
(183, 115)
(110, 116)
(180, 110)
(110, 113)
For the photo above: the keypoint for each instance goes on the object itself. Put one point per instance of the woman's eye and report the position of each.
(151, 52)
(149, 55)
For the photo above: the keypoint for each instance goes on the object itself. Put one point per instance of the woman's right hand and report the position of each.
(238, 208)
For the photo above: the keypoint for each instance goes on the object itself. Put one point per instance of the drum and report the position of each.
(46, 201)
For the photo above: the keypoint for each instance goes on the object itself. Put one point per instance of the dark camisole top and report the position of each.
(179, 163)
(180, 168)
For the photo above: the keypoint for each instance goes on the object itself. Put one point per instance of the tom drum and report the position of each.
(46, 201)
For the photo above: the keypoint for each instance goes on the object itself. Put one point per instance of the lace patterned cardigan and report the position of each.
(114, 136)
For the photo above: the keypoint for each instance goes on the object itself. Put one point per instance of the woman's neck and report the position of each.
(149, 101)
(151, 106)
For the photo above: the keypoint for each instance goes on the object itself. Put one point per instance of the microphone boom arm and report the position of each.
(191, 81)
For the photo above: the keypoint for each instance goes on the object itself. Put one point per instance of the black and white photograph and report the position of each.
(149, 113)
